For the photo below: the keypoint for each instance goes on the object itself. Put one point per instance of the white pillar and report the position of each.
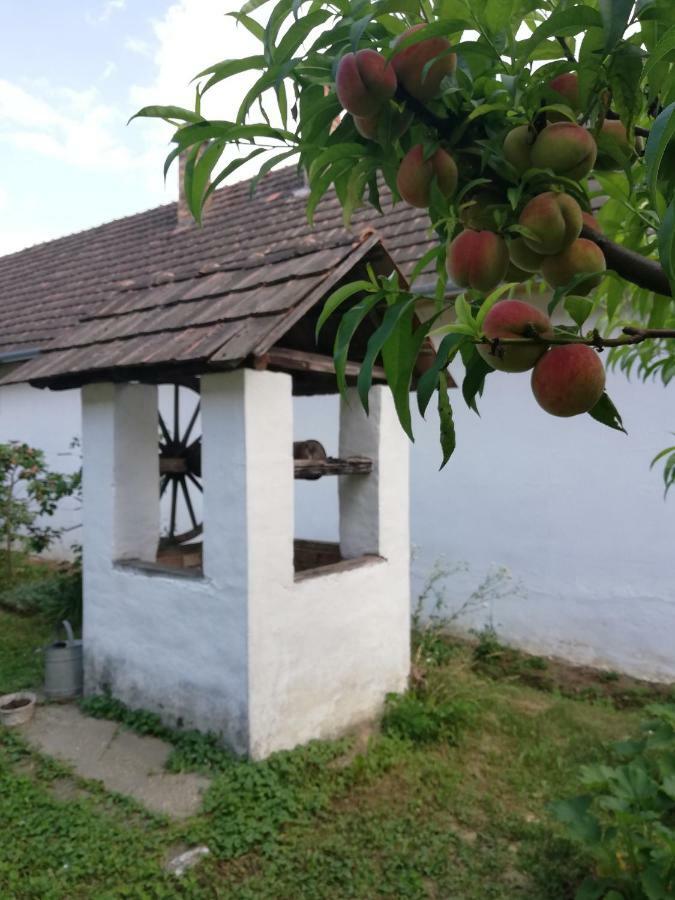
(247, 470)
(120, 473)
(374, 508)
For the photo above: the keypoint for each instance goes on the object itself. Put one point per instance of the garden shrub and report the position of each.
(425, 719)
(625, 819)
(54, 597)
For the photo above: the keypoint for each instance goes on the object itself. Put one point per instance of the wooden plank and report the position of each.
(317, 468)
(301, 361)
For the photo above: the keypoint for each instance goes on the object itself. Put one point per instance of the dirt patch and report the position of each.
(557, 676)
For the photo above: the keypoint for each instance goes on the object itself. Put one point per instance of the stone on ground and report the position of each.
(122, 761)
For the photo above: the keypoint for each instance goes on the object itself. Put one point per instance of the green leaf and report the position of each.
(498, 14)
(664, 48)
(203, 167)
(606, 413)
(575, 814)
(267, 166)
(253, 27)
(661, 134)
(338, 297)
(298, 32)
(422, 263)
(252, 5)
(274, 23)
(477, 371)
(624, 74)
(390, 321)
(429, 380)
(447, 425)
(561, 22)
(668, 470)
(167, 113)
(667, 243)
(464, 314)
(615, 15)
(269, 79)
(230, 168)
(568, 288)
(222, 70)
(346, 330)
(399, 355)
(579, 308)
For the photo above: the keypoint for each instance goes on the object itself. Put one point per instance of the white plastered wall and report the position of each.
(247, 651)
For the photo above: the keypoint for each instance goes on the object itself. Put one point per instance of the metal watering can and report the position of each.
(63, 667)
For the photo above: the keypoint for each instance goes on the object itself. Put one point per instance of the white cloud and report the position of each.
(137, 45)
(76, 127)
(105, 12)
(192, 35)
(109, 69)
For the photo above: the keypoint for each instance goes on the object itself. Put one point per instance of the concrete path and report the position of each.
(123, 761)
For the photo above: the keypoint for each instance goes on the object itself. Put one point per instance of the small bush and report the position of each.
(54, 597)
(425, 719)
(625, 819)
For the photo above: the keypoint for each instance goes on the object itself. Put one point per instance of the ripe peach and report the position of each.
(517, 147)
(409, 64)
(415, 175)
(365, 80)
(512, 319)
(567, 85)
(523, 257)
(581, 256)
(568, 380)
(367, 126)
(566, 148)
(477, 259)
(554, 221)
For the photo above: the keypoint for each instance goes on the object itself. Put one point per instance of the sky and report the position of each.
(71, 75)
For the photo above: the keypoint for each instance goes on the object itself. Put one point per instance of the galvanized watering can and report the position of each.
(63, 667)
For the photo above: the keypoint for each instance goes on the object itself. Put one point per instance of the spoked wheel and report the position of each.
(180, 463)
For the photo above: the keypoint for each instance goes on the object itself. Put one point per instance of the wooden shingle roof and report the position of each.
(98, 276)
(216, 318)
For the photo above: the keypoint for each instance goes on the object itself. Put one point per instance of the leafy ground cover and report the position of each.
(450, 800)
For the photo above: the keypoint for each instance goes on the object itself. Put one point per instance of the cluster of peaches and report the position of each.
(568, 379)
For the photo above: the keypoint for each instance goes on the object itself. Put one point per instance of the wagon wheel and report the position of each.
(180, 465)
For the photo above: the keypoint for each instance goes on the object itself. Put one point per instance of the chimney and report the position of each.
(184, 218)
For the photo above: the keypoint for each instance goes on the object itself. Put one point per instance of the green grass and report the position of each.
(452, 806)
(20, 665)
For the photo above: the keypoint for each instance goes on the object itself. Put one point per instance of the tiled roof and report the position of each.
(49, 287)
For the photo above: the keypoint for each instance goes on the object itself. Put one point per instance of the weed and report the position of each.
(426, 720)
(625, 818)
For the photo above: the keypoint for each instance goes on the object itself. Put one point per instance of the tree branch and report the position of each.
(629, 336)
(566, 50)
(645, 273)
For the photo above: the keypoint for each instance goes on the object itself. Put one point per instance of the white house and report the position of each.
(557, 525)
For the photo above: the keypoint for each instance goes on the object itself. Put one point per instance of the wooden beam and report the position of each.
(316, 468)
(301, 361)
